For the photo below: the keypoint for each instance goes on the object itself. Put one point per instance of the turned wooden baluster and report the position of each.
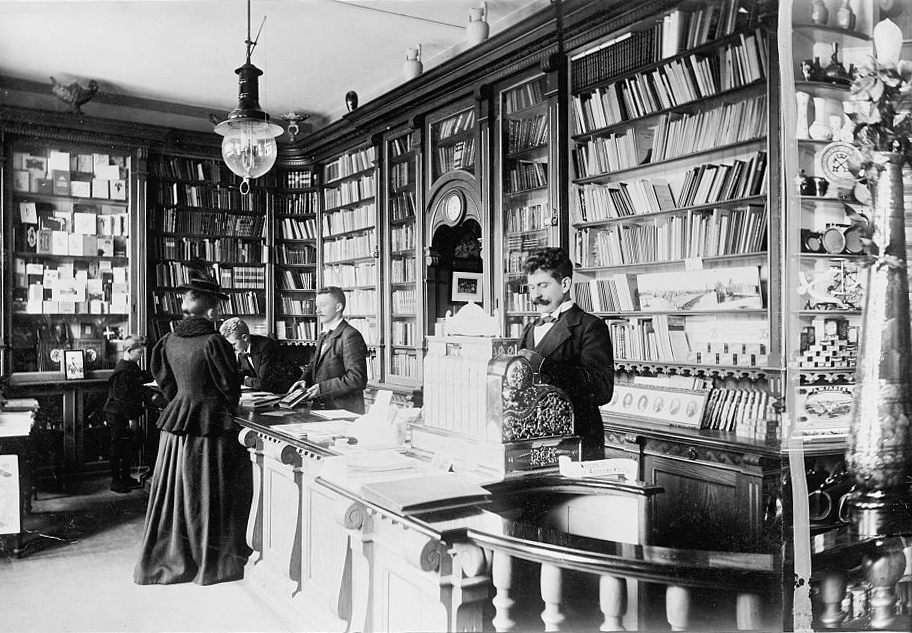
(832, 592)
(502, 578)
(883, 572)
(747, 612)
(551, 589)
(677, 607)
(613, 602)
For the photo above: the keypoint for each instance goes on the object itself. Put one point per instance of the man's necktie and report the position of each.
(542, 320)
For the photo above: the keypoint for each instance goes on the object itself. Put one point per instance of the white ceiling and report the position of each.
(185, 51)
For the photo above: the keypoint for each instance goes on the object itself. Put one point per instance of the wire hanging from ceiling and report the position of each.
(397, 13)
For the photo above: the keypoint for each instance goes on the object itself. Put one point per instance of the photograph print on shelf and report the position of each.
(701, 290)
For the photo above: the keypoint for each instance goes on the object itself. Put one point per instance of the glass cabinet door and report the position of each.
(402, 283)
(525, 199)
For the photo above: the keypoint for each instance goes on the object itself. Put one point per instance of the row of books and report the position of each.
(730, 123)
(301, 329)
(346, 275)
(174, 274)
(360, 217)
(526, 174)
(524, 96)
(298, 179)
(527, 132)
(296, 255)
(401, 174)
(402, 206)
(231, 277)
(404, 302)
(518, 301)
(660, 338)
(170, 220)
(360, 301)
(706, 184)
(368, 329)
(177, 168)
(210, 197)
(403, 332)
(223, 249)
(518, 247)
(533, 217)
(304, 306)
(402, 237)
(614, 57)
(603, 155)
(455, 124)
(297, 228)
(349, 192)
(402, 270)
(740, 410)
(350, 247)
(400, 145)
(297, 279)
(614, 293)
(350, 163)
(248, 303)
(461, 155)
(403, 363)
(734, 231)
(299, 203)
(676, 83)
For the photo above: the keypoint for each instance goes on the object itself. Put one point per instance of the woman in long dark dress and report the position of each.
(201, 491)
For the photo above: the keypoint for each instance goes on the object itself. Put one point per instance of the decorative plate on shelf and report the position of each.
(841, 163)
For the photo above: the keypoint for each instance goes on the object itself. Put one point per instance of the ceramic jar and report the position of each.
(819, 13)
(802, 99)
(412, 66)
(820, 128)
(477, 29)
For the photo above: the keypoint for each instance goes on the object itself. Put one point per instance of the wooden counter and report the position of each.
(546, 550)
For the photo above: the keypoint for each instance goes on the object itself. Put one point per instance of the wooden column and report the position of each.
(552, 581)
(677, 607)
(832, 591)
(748, 611)
(612, 602)
(502, 578)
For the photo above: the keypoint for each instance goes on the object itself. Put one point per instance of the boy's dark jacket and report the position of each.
(125, 390)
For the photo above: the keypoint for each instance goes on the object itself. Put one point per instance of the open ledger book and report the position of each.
(425, 493)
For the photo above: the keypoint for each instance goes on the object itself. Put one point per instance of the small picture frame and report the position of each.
(74, 364)
(467, 287)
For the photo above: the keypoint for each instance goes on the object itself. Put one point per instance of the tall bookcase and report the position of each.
(526, 193)
(196, 212)
(349, 246)
(297, 204)
(675, 245)
(402, 244)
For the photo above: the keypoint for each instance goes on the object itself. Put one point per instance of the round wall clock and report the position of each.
(453, 206)
(841, 162)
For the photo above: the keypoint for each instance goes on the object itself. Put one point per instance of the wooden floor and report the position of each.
(84, 583)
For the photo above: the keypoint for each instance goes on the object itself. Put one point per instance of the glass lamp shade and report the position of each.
(249, 146)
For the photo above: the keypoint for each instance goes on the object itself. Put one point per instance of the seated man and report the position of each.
(259, 358)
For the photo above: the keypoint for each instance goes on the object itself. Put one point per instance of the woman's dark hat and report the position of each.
(203, 284)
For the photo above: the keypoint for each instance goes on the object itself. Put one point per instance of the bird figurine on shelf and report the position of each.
(74, 95)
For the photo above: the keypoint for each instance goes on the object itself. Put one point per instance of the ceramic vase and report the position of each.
(836, 127)
(819, 13)
(477, 29)
(879, 447)
(802, 99)
(413, 66)
(820, 130)
(888, 39)
(845, 17)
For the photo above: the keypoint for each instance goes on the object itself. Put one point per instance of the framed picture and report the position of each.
(94, 348)
(74, 364)
(467, 287)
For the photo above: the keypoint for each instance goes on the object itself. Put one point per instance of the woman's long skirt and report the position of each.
(197, 515)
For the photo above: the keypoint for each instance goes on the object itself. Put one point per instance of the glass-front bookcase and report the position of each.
(528, 219)
(402, 287)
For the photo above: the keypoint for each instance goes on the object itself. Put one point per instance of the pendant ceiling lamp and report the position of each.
(249, 143)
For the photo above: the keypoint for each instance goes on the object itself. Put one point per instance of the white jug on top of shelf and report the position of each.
(413, 66)
(477, 29)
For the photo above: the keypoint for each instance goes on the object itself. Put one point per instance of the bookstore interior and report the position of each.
(758, 439)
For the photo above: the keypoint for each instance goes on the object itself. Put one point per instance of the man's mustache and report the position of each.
(540, 301)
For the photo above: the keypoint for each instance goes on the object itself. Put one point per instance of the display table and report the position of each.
(570, 553)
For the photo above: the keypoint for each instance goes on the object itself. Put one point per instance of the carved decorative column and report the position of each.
(254, 445)
(879, 451)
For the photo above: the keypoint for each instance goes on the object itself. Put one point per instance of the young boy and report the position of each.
(122, 410)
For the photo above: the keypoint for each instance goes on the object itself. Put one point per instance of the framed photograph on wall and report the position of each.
(74, 364)
(467, 287)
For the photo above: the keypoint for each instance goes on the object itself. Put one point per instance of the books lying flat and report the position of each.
(424, 493)
(259, 399)
(335, 414)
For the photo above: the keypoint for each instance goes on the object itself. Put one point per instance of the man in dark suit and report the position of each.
(259, 358)
(336, 376)
(575, 345)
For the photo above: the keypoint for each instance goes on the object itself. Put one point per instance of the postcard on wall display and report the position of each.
(36, 165)
(708, 289)
(118, 190)
(28, 213)
(20, 180)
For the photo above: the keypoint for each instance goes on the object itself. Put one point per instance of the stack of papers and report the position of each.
(356, 468)
(425, 493)
(334, 414)
(314, 431)
(258, 399)
(17, 416)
